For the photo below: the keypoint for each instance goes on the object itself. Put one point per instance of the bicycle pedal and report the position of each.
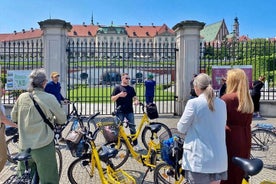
(85, 163)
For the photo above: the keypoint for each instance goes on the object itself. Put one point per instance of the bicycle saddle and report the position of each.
(25, 155)
(154, 127)
(251, 167)
(106, 153)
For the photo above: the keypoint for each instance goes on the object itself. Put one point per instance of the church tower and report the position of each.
(236, 28)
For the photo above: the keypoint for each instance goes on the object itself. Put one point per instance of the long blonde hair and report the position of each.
(203, 82)
(237, 82)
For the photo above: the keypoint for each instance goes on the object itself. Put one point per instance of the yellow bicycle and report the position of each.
(89, 169)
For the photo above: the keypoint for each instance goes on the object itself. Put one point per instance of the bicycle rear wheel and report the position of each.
(148, 136)
(165, 174)
(12, 148)
(79, 171)
(264, 147)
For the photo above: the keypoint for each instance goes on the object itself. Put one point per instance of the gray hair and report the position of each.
(37, 78)
(203, 82)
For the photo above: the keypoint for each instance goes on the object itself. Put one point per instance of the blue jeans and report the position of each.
(131, 123)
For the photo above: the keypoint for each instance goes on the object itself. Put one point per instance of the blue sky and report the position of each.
(257, 18)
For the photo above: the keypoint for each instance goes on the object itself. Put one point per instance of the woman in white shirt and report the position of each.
(203, 121)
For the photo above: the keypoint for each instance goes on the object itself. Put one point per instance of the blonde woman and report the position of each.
(239, 117)
(203, 121)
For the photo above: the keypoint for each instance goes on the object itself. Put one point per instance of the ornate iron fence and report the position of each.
(260, 54)
(19, 55)
(95, 68)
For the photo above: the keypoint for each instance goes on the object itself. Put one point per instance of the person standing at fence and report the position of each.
(150, 89)
(192, 92)
(3, 145)
(124, 95)
(54, 88)
(256, 95)
(239, 117)
(222, 88)
(34, 133)
(204, 150)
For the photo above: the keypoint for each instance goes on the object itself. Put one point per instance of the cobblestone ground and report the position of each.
(137, 169)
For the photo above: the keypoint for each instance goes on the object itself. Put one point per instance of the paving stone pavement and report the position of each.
(136, 169)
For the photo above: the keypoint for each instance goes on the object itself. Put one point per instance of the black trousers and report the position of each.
(256, 100)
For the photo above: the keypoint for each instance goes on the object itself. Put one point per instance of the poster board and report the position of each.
(17, 79)
(221, 71)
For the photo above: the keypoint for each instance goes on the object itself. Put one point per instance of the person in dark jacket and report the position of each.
(256, 95)
(192, 92)
(54, 88)
(222, 89)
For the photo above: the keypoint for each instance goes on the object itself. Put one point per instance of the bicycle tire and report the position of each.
(79, 171)
(146, 135)
(165, 174)
(12, 149)
(59, 161)
(263, 146)
(121, 157)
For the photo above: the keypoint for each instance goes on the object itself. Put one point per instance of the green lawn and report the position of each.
(101, 94)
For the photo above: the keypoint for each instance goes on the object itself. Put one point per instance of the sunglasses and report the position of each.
(127, 78)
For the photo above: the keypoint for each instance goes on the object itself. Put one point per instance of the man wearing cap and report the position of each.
(54, 88)
(150, 88)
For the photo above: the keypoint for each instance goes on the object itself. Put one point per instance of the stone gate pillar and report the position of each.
(187, 59)
(54, 48)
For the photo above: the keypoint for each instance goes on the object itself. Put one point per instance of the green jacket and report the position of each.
(34, 133)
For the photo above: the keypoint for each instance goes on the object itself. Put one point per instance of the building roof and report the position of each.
(24, 35)
(147, 31)
(92, 30)
(209, 32)
(83, 31)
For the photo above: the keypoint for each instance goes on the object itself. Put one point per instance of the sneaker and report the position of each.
(259, 116)
(138, 148)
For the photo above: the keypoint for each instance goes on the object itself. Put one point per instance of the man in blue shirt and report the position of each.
(54, 88)
(150, 88)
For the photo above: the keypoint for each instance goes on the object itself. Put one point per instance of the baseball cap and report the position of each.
(54, 74)
(150, 76)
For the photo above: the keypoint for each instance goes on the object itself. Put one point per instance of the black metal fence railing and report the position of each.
(260, 54)
(95, 68)
(20, 56)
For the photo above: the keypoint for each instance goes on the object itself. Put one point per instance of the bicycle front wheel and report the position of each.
(79, 171)
(122, 156)
(165, 174)
(263, 146)
(149, 136)
(12, 148)
(59, 161)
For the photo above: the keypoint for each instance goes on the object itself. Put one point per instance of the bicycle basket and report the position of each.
(109, 128)
(77, 149)
(152, 111)
(167, 153)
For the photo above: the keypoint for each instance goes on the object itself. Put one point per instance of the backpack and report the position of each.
(170, 155)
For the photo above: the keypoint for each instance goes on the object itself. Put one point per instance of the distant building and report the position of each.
(152, 36)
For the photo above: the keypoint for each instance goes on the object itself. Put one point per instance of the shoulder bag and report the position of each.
(41, 113)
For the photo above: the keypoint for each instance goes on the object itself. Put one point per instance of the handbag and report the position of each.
(41, 113)
(74, 136)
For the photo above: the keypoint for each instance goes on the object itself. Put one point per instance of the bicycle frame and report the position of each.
(145, 159)
(144, 120)
(96, 163)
